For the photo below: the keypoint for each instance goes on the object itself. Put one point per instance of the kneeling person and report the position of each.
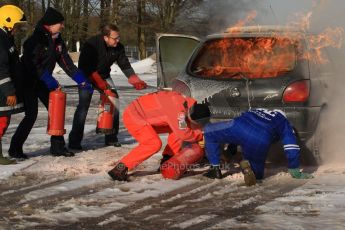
(254, 131)
(163, 112)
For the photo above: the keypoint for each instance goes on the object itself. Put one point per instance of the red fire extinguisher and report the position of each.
(56, 113)
(177, 165)
(106, 111)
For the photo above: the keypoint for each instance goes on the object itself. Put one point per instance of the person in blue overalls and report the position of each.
(254, 131)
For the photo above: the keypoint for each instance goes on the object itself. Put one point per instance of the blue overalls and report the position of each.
(254, 131)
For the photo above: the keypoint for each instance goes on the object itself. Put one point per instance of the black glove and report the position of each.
(214, 172)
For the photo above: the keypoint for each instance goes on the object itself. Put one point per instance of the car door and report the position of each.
(173, 52)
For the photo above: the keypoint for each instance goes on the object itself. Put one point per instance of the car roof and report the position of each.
(259, 30)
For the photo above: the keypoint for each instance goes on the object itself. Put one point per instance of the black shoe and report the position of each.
(214, 173)
(63, 152)
(75, 146)
(115, 144)
(119, 172)
(18, 155)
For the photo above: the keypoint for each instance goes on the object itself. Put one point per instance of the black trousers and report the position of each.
(31, 96)
(77, 132)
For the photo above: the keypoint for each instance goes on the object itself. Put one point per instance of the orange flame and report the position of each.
(263, 57)
(300, 21)
(270, 56)
(330, 37)
(249, 18)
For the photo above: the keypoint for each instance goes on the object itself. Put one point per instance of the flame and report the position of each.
(330, 37)
(262, 57)
(300, 21)
(270, 56)
(249, 18)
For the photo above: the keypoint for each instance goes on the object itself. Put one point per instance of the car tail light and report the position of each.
(181, 87)
(297, 92)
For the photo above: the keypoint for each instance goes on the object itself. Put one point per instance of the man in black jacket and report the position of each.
(42, 50)
(10, 101)
(97, 55)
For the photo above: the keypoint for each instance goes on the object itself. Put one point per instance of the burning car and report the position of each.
(248, 67)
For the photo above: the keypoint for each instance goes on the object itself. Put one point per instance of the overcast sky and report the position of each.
(280, 10)
(325, 12)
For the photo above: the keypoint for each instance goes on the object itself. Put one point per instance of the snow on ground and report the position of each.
(76, 193)
(318, 204)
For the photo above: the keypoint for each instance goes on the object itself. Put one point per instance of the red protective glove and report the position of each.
(98, 81)
(137, 82)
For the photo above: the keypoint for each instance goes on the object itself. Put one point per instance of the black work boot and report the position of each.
(57, 147)
(75, 146)
(19, 155)
(61, 152)
(114, 142)
(119, 172)
(214, 172)
(249, 176)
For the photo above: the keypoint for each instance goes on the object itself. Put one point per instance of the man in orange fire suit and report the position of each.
(155, 113)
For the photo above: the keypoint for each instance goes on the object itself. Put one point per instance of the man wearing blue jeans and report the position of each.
(254, 131)
(77, 132)
(97, 56)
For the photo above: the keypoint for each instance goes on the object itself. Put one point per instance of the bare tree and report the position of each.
(43, 5)
(141, 33)
(105, 11)
(85, 19)
(76, 11)
(56, 3)
(71, 10)
(115, 11)
(31, 9)
(138, 20)
(167, 11)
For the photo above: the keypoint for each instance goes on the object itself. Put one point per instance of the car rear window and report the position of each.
(259, 57)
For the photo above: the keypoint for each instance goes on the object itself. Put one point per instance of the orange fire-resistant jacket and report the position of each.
(165, 111)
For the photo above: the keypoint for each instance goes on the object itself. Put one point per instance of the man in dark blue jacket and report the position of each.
(42, 50)
(254, 131)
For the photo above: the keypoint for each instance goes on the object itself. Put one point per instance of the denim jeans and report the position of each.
(77, 132)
